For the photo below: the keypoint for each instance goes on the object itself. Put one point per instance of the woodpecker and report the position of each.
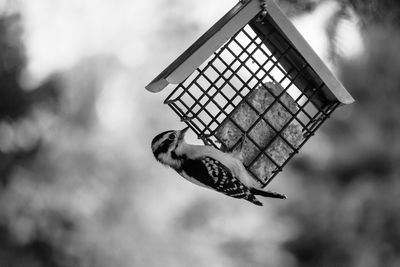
(207, 166)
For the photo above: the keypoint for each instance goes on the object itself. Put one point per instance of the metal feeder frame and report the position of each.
(252, 44)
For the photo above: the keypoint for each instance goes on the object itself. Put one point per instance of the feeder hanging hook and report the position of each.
(264, 11)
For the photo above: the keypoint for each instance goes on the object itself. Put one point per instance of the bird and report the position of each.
(208, 166)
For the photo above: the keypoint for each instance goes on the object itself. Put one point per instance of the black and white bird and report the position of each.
(207, 166)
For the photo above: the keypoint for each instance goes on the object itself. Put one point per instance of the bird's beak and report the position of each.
(182, 133)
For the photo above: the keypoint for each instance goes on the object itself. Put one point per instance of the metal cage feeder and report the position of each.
(253, 73)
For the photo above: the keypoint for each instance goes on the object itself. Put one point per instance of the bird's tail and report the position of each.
(253, 200)
(271, 194)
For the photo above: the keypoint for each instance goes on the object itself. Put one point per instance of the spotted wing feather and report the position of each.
(214, 174)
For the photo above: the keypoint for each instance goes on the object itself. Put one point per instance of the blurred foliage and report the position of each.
(70, 197)
(19, 142)
(371, 12)
(15, 102)
(356, 222)
(298, 7)
(384, 12)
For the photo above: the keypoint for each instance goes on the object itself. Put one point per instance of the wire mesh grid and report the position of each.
(256, 84)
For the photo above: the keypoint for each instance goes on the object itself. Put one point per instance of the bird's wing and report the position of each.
(214, 174)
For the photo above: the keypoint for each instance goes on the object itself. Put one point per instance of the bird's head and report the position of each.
(165, 144)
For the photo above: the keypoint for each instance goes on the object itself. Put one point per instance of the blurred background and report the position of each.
(78, 182)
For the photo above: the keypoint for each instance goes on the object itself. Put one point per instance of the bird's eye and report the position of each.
(171, 137)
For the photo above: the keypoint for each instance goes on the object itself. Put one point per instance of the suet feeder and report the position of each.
(253, 73)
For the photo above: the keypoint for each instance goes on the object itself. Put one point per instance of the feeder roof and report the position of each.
(238, 17)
